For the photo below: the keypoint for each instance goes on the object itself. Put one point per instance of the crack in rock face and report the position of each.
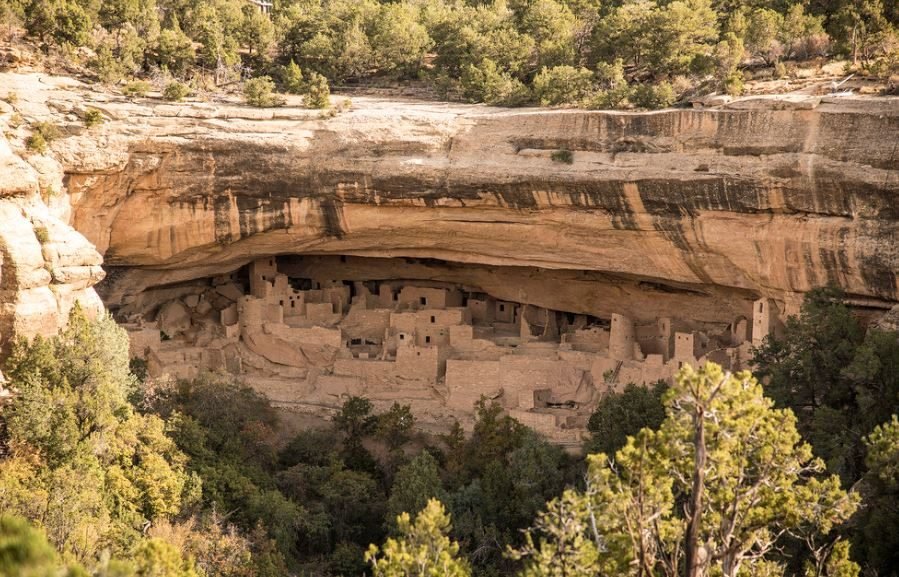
(653, 244)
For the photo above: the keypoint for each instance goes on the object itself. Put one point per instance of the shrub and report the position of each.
(728, 56)
(606, 99)
(137, 88)
(92, 117)
(347, 559)
(36, 143)
(780, 70)
(176, 91)
(562, 155)
(175, 50)
(48, 130)
(624, 413)
(802, 34)
(563, 85)
(318, 93)
(44, 134)
(346, 104)
(733, 83)
(762, 30)
(259, 92)
(292, 79)
(653, 96)
(26, 551)
(489, 84)
(109, 69)
(11, 97)
(42, 235)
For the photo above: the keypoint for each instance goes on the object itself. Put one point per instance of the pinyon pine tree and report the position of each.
(710, 492)
(422, 549)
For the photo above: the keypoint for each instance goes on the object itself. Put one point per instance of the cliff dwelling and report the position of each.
(309, 331)
(436, 254)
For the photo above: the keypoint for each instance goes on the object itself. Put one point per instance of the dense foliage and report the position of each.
(83, 461)
(621, 415)
(553, 52)
(326, 494)
(842, 383)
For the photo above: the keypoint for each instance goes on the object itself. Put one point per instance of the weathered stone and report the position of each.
(696, 214)
(700, 208)
(173, 318)
(889, 321)
(45, 265)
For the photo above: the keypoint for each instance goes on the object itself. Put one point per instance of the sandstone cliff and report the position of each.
(697, 211)
(45, 265)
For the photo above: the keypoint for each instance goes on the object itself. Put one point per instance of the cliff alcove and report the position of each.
(679, 223)
(311, 330)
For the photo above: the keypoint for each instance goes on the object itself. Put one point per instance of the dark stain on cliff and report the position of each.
(831, 267)
(332, 222)
(669, 196)
(811, 274)
(848, 137)
(672, 230)
(221, 207)
(257, 215)
(878, 255)
(879, 276)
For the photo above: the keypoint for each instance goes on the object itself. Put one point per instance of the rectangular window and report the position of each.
(423, 300)
(433, 319)
(427, 339)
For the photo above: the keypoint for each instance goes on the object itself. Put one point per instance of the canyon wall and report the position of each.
(45, 265)
(698, 211)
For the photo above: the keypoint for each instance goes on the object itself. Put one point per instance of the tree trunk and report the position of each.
(695, 564)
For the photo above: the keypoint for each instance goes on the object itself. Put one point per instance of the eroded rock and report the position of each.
(692, 215)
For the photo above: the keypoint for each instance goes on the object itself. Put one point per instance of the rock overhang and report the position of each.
(762, 198)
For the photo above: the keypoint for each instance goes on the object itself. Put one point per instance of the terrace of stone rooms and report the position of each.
(309, 343)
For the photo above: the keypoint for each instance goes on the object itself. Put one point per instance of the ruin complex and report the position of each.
(433, 254)
(310, 341)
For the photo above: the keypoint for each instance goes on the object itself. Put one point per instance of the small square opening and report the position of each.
(423, 300)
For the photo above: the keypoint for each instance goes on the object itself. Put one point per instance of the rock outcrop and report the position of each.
(45, 265)
(695, 210)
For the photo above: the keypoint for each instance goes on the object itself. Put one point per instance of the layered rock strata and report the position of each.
(697, 207)
(693, 211)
